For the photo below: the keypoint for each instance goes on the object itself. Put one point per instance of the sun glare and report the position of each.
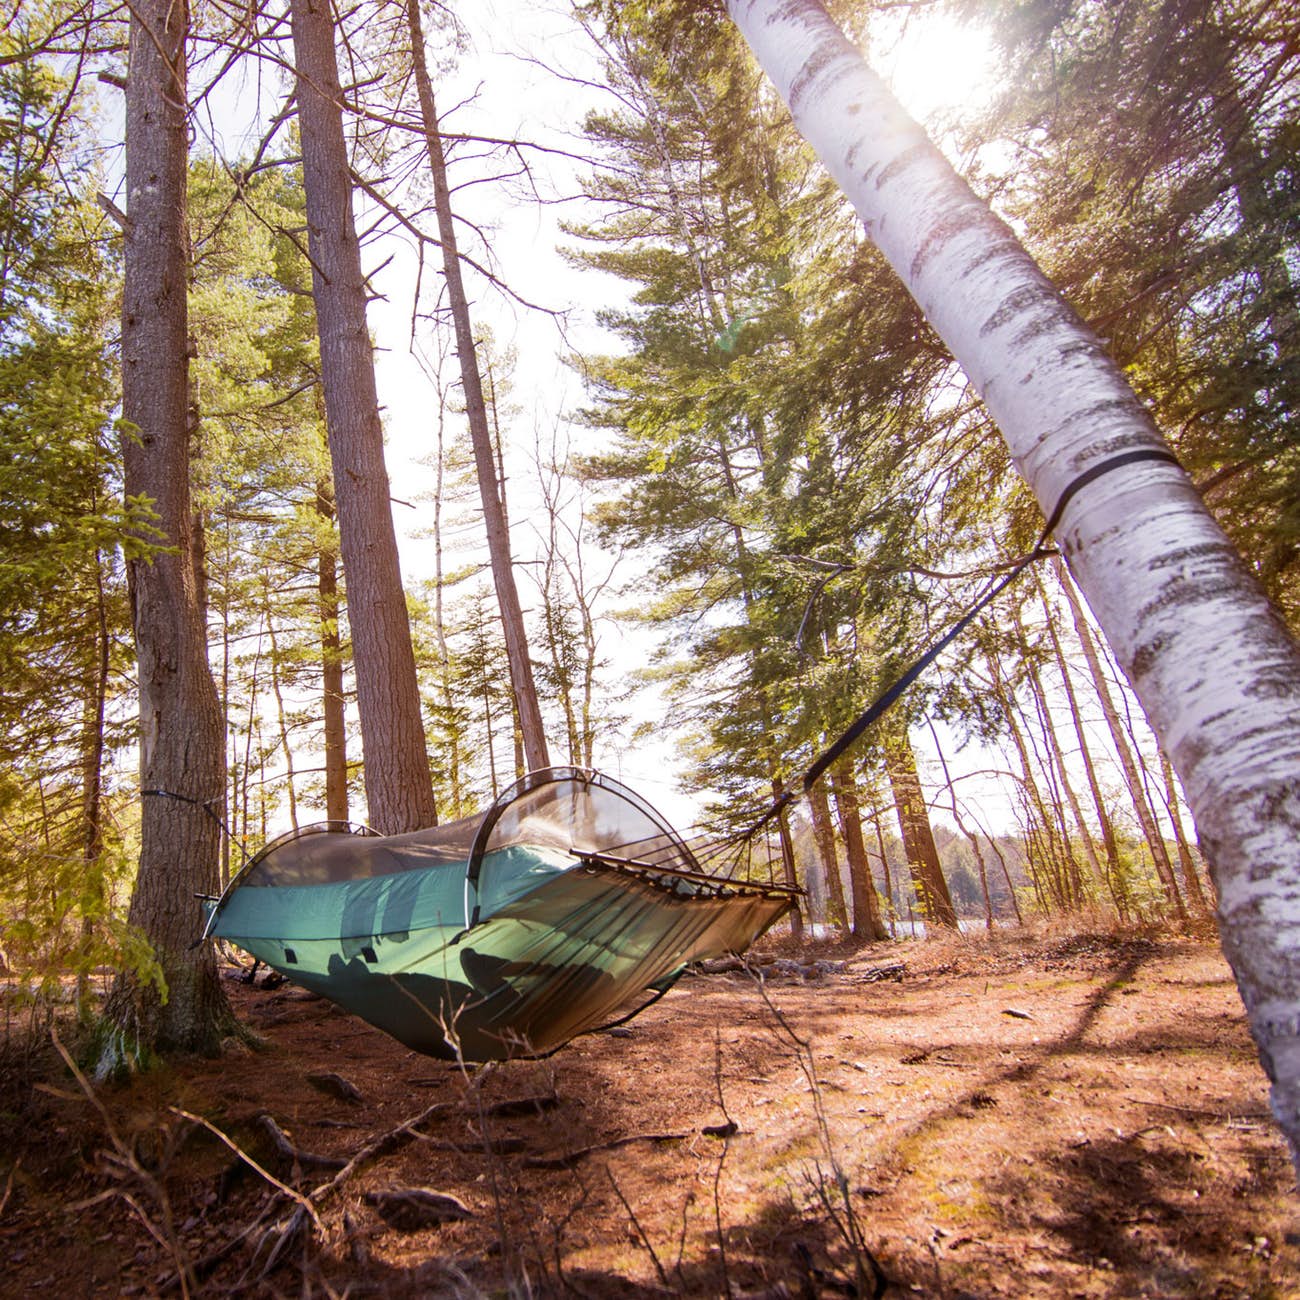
(935, 64)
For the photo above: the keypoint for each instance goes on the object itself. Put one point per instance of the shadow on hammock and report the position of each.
(568, 905)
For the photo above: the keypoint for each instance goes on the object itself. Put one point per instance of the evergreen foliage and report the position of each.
(1153, 158)
(63, 534)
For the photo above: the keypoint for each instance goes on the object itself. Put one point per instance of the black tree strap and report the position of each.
(995, 588)
(206, 806)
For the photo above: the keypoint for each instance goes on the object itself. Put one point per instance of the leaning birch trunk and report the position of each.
(1211, 661)
(536, 754)
(399, 786)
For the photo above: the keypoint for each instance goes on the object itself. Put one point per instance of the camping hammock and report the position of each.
(568, 903)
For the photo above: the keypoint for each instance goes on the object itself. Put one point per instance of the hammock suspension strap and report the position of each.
(997, 585)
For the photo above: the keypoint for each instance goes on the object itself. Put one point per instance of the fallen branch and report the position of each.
(292, 1154)
(571, 1158)
(283, 1188)
(521, 1105)
(502, 1146)
(385, 1143)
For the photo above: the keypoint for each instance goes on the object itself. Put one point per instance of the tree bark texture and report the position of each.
(399, 787)
(916, 833)
(536, 753)
(1215, 668)
(867, 923)
(824, 837)
(181, 730)
(331, 651)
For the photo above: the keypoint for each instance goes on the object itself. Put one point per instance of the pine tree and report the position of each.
(182, 760)
(63, 532)
(399, 788)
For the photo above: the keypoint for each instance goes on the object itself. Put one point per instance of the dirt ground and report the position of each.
(1078, 1116)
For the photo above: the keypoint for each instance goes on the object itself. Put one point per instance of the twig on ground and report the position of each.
(287, 1151)
(1222, 1116)
(9, 1185)
(832, 1192)
(384, 1144)
(204, 1267)
(121, 1163)
(640, 1231)
(283, 1188)
(570, 1158)
(722, 1160)
(521, 1105)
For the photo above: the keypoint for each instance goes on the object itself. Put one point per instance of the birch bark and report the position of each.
(1211, 661)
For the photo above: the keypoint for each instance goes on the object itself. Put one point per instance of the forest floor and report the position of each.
(1074, 1115)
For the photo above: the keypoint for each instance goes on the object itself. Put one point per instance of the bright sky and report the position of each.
(934, 68)
(507, 86)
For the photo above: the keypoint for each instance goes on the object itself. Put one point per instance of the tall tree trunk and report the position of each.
(1063, 787)
(1191, 881)
(1058, 785)
(787, 860)
(181, 734)
(281, 713)
(536, 754)
(824, 838)
(399, 787)
(92, 788)
(1127, 762)
(971, 838)
(1115, 874)
(331, 648)
(914, 828)
(877, 805)
(866, 909)
(1034, 804)
(1215, 668)
(446, 687)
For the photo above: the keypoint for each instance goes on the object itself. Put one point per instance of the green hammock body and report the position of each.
(568, 903)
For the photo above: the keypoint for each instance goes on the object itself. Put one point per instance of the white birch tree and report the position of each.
(1212, 663)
